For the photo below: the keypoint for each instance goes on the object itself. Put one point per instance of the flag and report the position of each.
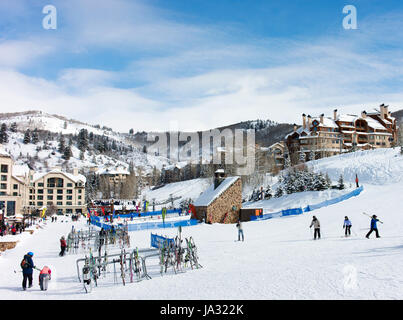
(43, 212)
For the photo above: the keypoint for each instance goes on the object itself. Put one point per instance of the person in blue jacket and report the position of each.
(27, 270)
(374, 220)
(347, 226)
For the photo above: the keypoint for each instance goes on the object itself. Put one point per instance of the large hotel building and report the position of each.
(23, 191)
(322, 136)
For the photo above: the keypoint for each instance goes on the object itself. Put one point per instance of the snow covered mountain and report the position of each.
(46, 154)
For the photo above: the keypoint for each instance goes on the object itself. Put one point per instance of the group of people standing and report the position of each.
(11, 229)
(346, 226)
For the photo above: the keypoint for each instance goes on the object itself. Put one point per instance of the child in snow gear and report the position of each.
(316, 225)
(374, 220)
(63, 246)
(44, 277)
(347, 226)
(240, 230)
(27, 266)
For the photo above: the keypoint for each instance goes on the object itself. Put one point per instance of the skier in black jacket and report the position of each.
(27, 270)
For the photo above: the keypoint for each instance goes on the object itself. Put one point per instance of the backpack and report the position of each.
(24, 264)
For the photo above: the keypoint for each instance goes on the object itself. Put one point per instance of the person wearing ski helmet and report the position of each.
(316, 225)
(27, 270)
(374, 227)
(347, 226)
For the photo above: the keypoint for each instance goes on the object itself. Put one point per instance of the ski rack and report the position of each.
(172, 255)
(103, 260)
(91, 239)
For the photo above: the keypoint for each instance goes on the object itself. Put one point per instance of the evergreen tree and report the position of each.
(267, 193)
(3, 134)
(67, 153)
(131, 131)
(35, 136)
(279, 192)
(328, 181)
(27, 137)
(13, 127)
(82, 140)
(61, 144)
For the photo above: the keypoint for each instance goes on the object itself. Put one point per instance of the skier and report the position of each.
(63, 246)
(240, 230)
(347, 226)
(27, 266)
(356, 181)
(102, 235)
(44, 277)
(316, 224)
(374, 220)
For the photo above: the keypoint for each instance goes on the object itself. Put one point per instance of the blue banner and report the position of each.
(159, 241)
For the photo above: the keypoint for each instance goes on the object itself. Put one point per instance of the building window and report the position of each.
(69, 198)
(59, 191)
(50, 197)
(40, 203)
(59, 203)
(40, 184)
(4, 168)
(59, 197)
(69, 191)
(40, 191)
(40, 197)
(50, 191)
(15, 194)
(3, 186)
(79, 191)
(15, 187)
(69, 185)
(69, 203)
(3, 178)
(10, 208)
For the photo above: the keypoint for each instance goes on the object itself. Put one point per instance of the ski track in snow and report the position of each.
(277, 260)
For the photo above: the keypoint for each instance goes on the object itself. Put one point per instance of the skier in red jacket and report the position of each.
(63, 246)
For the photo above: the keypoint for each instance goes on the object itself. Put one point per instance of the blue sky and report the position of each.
(200, 64)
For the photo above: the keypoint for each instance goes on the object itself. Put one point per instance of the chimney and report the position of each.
(219, 177)
(386, 112)
(363, 114)
(295, 127)
(335, 114)
(75, 172)
(321, 118)
(304, 120)
(309, 121)
(382, 110)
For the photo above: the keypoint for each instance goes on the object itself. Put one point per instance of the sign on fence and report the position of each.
(159, 241)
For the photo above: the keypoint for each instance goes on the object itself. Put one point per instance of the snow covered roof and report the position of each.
(108, 171)
(3, 152)
(20, 170)
(70, 176)
(211, 194)
(299, 131)
(327, 122)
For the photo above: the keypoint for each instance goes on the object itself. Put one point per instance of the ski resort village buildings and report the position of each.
(23, 191)
(221, 202)
(320, 137)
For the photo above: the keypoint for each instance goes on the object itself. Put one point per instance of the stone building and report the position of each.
(221, 202)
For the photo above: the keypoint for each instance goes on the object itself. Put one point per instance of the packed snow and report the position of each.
(277, 260)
